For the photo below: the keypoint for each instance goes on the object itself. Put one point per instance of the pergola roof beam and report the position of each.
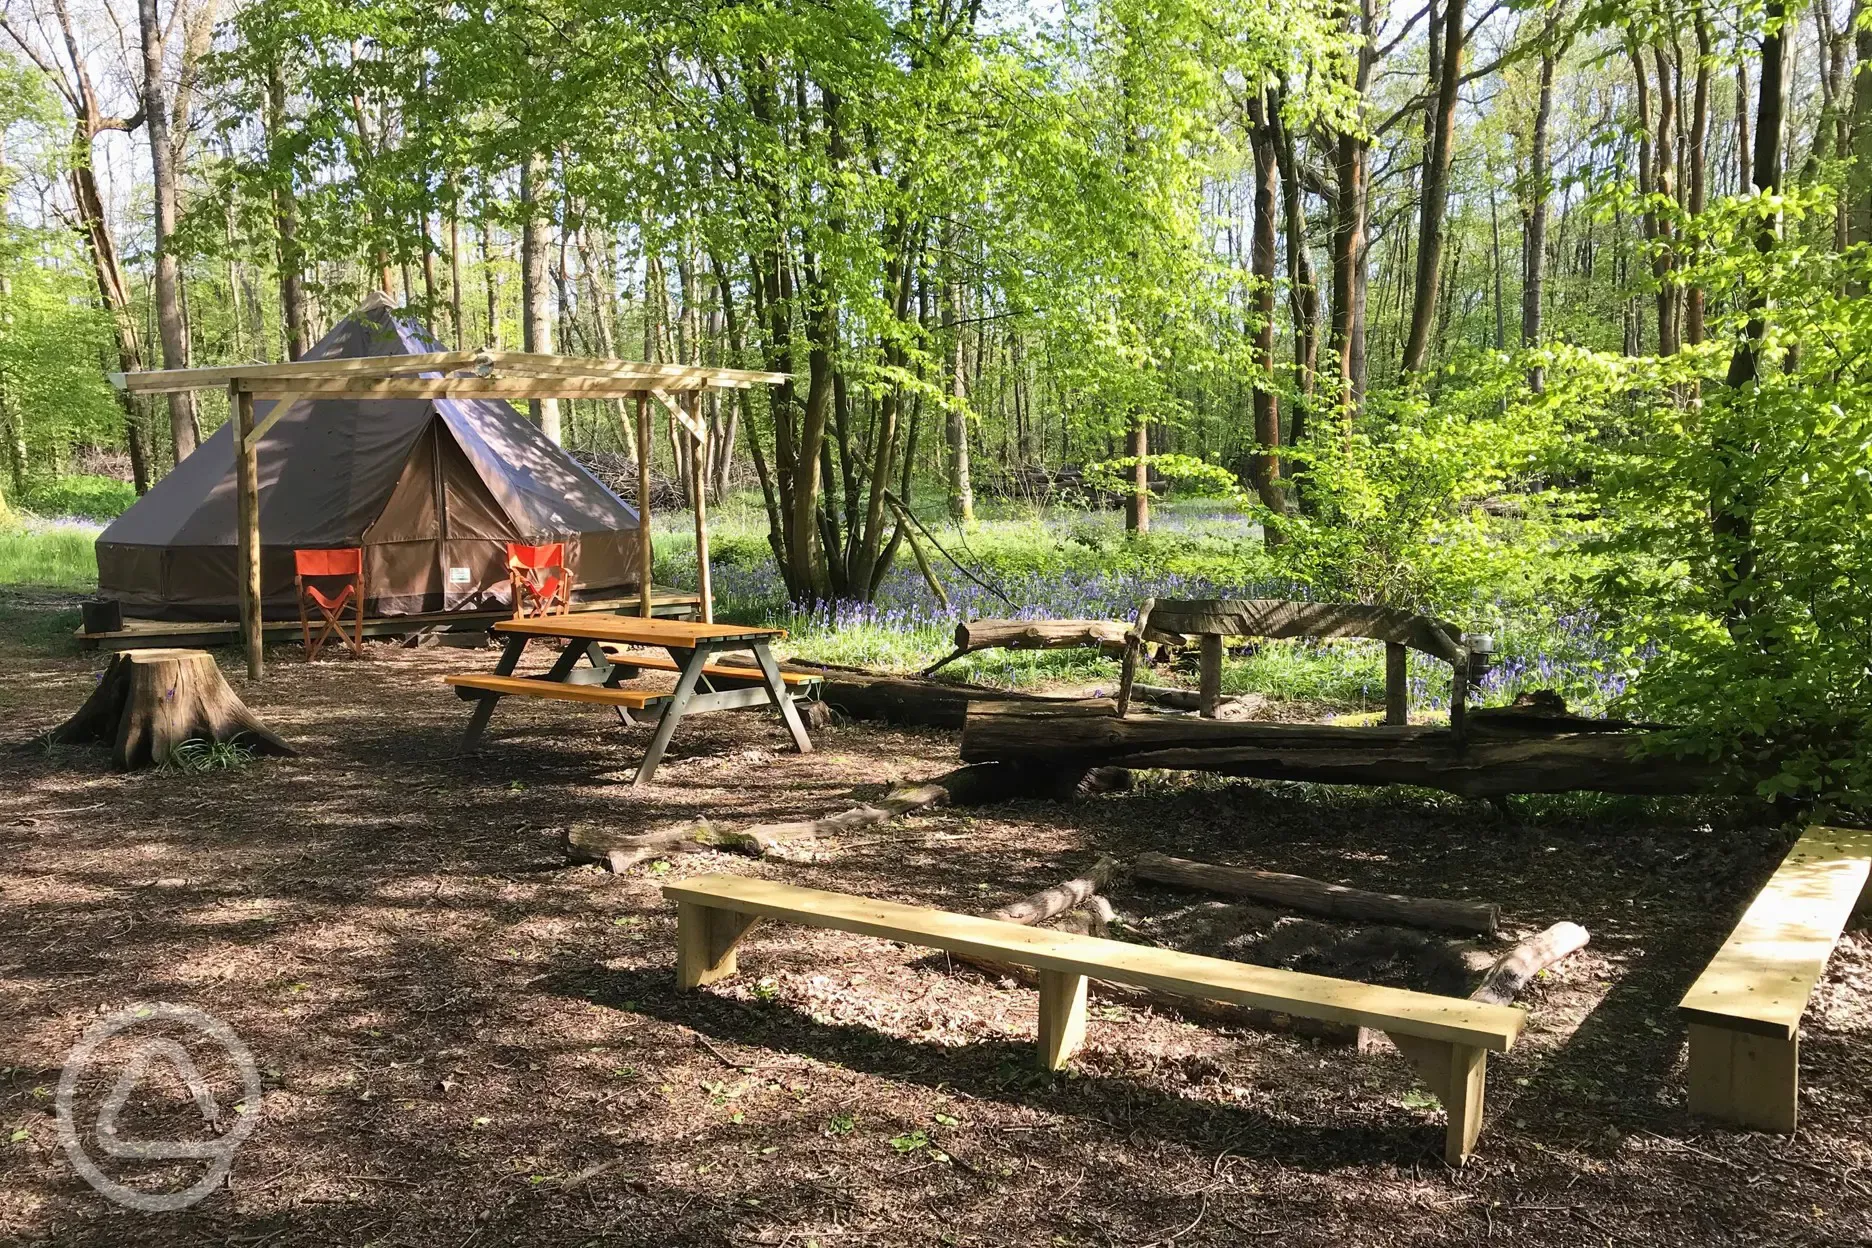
(623, 377)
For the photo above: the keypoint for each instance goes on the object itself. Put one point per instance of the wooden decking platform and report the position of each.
(137, 634)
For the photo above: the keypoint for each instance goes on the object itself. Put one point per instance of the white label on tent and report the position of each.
(461, 576)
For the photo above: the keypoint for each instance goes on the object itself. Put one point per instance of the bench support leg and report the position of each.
(478, 722)
(1062, 1017)
(1750, 1080)
(705, 943)
(1209, 679)
(1456, 1073)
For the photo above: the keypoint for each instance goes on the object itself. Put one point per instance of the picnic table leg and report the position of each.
(672, 714)
(777, 690)
(484, 707)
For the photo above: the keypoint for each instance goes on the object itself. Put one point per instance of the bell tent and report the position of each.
(431, 489)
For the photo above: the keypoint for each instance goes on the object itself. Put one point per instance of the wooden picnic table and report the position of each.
(701, 686)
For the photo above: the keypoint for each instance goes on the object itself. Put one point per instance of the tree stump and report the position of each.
(148, 702)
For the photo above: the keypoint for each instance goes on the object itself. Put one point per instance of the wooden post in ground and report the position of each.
(247, 494)
(1396, 683)
(643, 505)
(699, 488)
(1209, 682)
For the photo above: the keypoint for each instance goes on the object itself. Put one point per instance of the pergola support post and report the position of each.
(247, 493)
(698, 487)
(644, 607)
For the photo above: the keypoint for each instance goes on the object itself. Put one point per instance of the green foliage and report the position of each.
(83, 495)
(1755, 632)
(1448, 501)
(55, 558)
(197, 757)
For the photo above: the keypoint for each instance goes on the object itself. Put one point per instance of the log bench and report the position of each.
(1744, 1011)
(1446, 1039)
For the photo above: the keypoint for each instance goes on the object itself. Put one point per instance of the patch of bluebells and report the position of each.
(1570, 654)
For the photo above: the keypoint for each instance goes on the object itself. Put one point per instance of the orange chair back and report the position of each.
(346, 561)
(531, 558)
(542, 584)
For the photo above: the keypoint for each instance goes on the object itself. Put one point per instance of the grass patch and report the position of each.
(58, 557)
(78, 494)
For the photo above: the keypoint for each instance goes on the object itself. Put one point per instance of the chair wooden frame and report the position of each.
(330, 564)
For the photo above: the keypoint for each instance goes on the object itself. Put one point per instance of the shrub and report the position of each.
(79, 495)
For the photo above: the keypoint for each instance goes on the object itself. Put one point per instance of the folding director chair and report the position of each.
(542, 583)
(330, 580)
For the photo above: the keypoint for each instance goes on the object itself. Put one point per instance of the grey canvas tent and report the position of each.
(431, 489)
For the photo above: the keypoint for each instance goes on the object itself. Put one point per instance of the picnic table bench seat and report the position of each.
(1446, 1039)
(714, 671)
(1744, 1010)
(538, 687)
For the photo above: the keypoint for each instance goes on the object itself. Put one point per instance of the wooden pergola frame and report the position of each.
(513, 375)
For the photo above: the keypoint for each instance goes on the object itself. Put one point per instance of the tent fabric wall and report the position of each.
(432, 490)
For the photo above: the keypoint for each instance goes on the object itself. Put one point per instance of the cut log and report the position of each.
(1057, 900)
(801, 840)
(1336, 901)
(148, 702)
(1087, 734)
(1094, 918)
(904, 700)
(973, 635)
(1514, 972)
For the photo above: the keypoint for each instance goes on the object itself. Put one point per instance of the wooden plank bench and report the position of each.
(541, 687)
(1744, 1011)
(805, 682)
(1447, 1039)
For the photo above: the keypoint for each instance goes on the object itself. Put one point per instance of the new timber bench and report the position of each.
(1744, 1011)
(1447, 1039)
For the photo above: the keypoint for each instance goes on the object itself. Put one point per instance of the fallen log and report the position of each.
(800, 839)
(973, 635)
(1335, 901)
(1094, 912)
(903, 700)
(1087, 733)
(1520, 965)
(149, 702)
(1049, 902)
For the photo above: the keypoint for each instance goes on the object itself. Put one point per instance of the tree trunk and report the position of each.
(286, 217)
(955, 428)
(1534, 219)
(536, 297)
(148, 702)
(1265, 467)
(171, 326)
(1859, 176)
(1137, 501)
(1436, 188)
(1697, 191)
(1302, 291)
(1731, 508)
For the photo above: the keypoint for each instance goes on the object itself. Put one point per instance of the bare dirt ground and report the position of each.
(464, 1042)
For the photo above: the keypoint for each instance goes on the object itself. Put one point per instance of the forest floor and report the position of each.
(464, 1042)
